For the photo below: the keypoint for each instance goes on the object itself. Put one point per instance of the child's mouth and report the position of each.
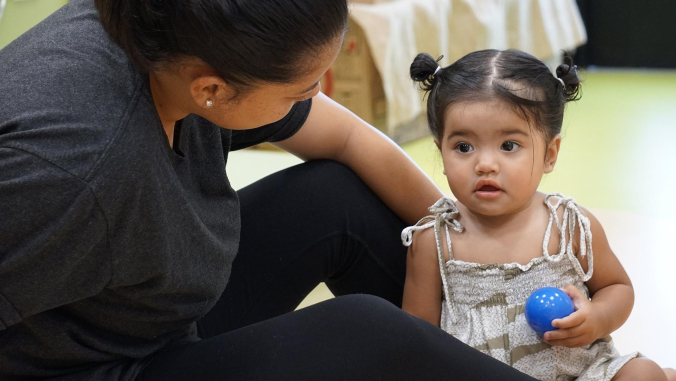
(487, 192)
(488, 188)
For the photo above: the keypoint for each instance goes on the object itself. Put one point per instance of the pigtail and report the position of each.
(425, 70)
(567, 72)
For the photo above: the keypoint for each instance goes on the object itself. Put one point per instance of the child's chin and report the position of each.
(490, 208)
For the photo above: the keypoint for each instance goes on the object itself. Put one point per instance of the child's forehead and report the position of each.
(482, 117)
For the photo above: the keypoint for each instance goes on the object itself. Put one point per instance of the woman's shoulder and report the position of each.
(67, 90)
(69, 45)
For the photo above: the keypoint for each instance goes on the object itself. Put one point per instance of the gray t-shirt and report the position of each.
(112, 243)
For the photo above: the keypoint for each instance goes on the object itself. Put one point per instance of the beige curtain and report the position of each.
(398, 30)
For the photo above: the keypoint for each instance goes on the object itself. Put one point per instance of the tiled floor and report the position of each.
(618, 159)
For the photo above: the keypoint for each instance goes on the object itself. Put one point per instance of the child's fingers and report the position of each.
(570, 342)
(579, 299)
(572, 320)
(573, 292)
(559, 334)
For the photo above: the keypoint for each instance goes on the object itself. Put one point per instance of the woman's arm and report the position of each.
(422, 289)
(333, 132)
(612, 297)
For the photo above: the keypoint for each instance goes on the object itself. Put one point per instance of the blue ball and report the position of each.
(545, 305)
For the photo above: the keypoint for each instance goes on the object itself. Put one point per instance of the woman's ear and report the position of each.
(552, 153)
(210, 91)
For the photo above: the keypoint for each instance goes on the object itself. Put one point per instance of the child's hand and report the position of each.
(580, 328)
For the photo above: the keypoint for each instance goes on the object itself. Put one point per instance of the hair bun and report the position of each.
(423, 71)
(568, 74)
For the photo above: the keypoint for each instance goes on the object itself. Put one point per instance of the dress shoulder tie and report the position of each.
(444, 214)
(572, 217)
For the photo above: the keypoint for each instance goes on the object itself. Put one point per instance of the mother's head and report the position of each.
(271, 50)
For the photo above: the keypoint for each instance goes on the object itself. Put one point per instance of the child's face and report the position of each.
(492, 159)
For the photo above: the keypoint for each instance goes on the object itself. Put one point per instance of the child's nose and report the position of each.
(486, 164)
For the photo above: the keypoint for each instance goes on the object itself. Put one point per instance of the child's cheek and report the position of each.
(459, 180)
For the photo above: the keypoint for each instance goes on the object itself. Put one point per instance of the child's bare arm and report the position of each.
(422, 290)
(612, 297)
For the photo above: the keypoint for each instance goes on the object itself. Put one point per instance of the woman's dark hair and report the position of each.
(244, 41)
(518, 78)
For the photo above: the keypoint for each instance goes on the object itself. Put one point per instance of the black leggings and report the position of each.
(318, 222)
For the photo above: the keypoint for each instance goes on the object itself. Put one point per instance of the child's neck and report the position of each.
(511, 220)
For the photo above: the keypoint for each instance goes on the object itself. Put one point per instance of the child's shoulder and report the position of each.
(561, 202)
(583, 220)
(424, 245)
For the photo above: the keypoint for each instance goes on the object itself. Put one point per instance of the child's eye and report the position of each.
(510, 146)
(463, 147)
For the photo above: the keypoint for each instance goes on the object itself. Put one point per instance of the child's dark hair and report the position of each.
(244, 41)
(513, 76)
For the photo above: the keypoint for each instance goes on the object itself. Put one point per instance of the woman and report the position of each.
(120, 228)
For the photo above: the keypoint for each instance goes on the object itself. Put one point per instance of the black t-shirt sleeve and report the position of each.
(52, 238)
(274, 132)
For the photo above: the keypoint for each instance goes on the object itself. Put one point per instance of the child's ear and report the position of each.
(552, 153)
(436, 141)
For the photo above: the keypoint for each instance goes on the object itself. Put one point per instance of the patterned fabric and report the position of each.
(484, 303)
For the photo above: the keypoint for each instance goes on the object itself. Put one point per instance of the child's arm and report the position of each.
(612, 297)
(422, 289)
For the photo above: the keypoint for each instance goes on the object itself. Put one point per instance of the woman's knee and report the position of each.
(374, 317)
(365, 312)
(363, 307)
(332, 169)
(343, 193)
(335, 179)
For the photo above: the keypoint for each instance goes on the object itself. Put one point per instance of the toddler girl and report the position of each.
(496, 118)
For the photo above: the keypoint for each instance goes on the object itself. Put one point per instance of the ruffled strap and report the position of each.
(572, 216)
(444, 214)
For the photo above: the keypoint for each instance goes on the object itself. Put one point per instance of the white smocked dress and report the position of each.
(484, 303)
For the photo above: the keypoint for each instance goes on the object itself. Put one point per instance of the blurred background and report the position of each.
(618, 155)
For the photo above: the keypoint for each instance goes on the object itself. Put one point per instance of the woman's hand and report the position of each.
(582, 327)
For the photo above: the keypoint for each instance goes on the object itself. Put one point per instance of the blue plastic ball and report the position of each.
(545, 305)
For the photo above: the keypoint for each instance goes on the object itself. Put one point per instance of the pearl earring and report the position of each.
(209, 103)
